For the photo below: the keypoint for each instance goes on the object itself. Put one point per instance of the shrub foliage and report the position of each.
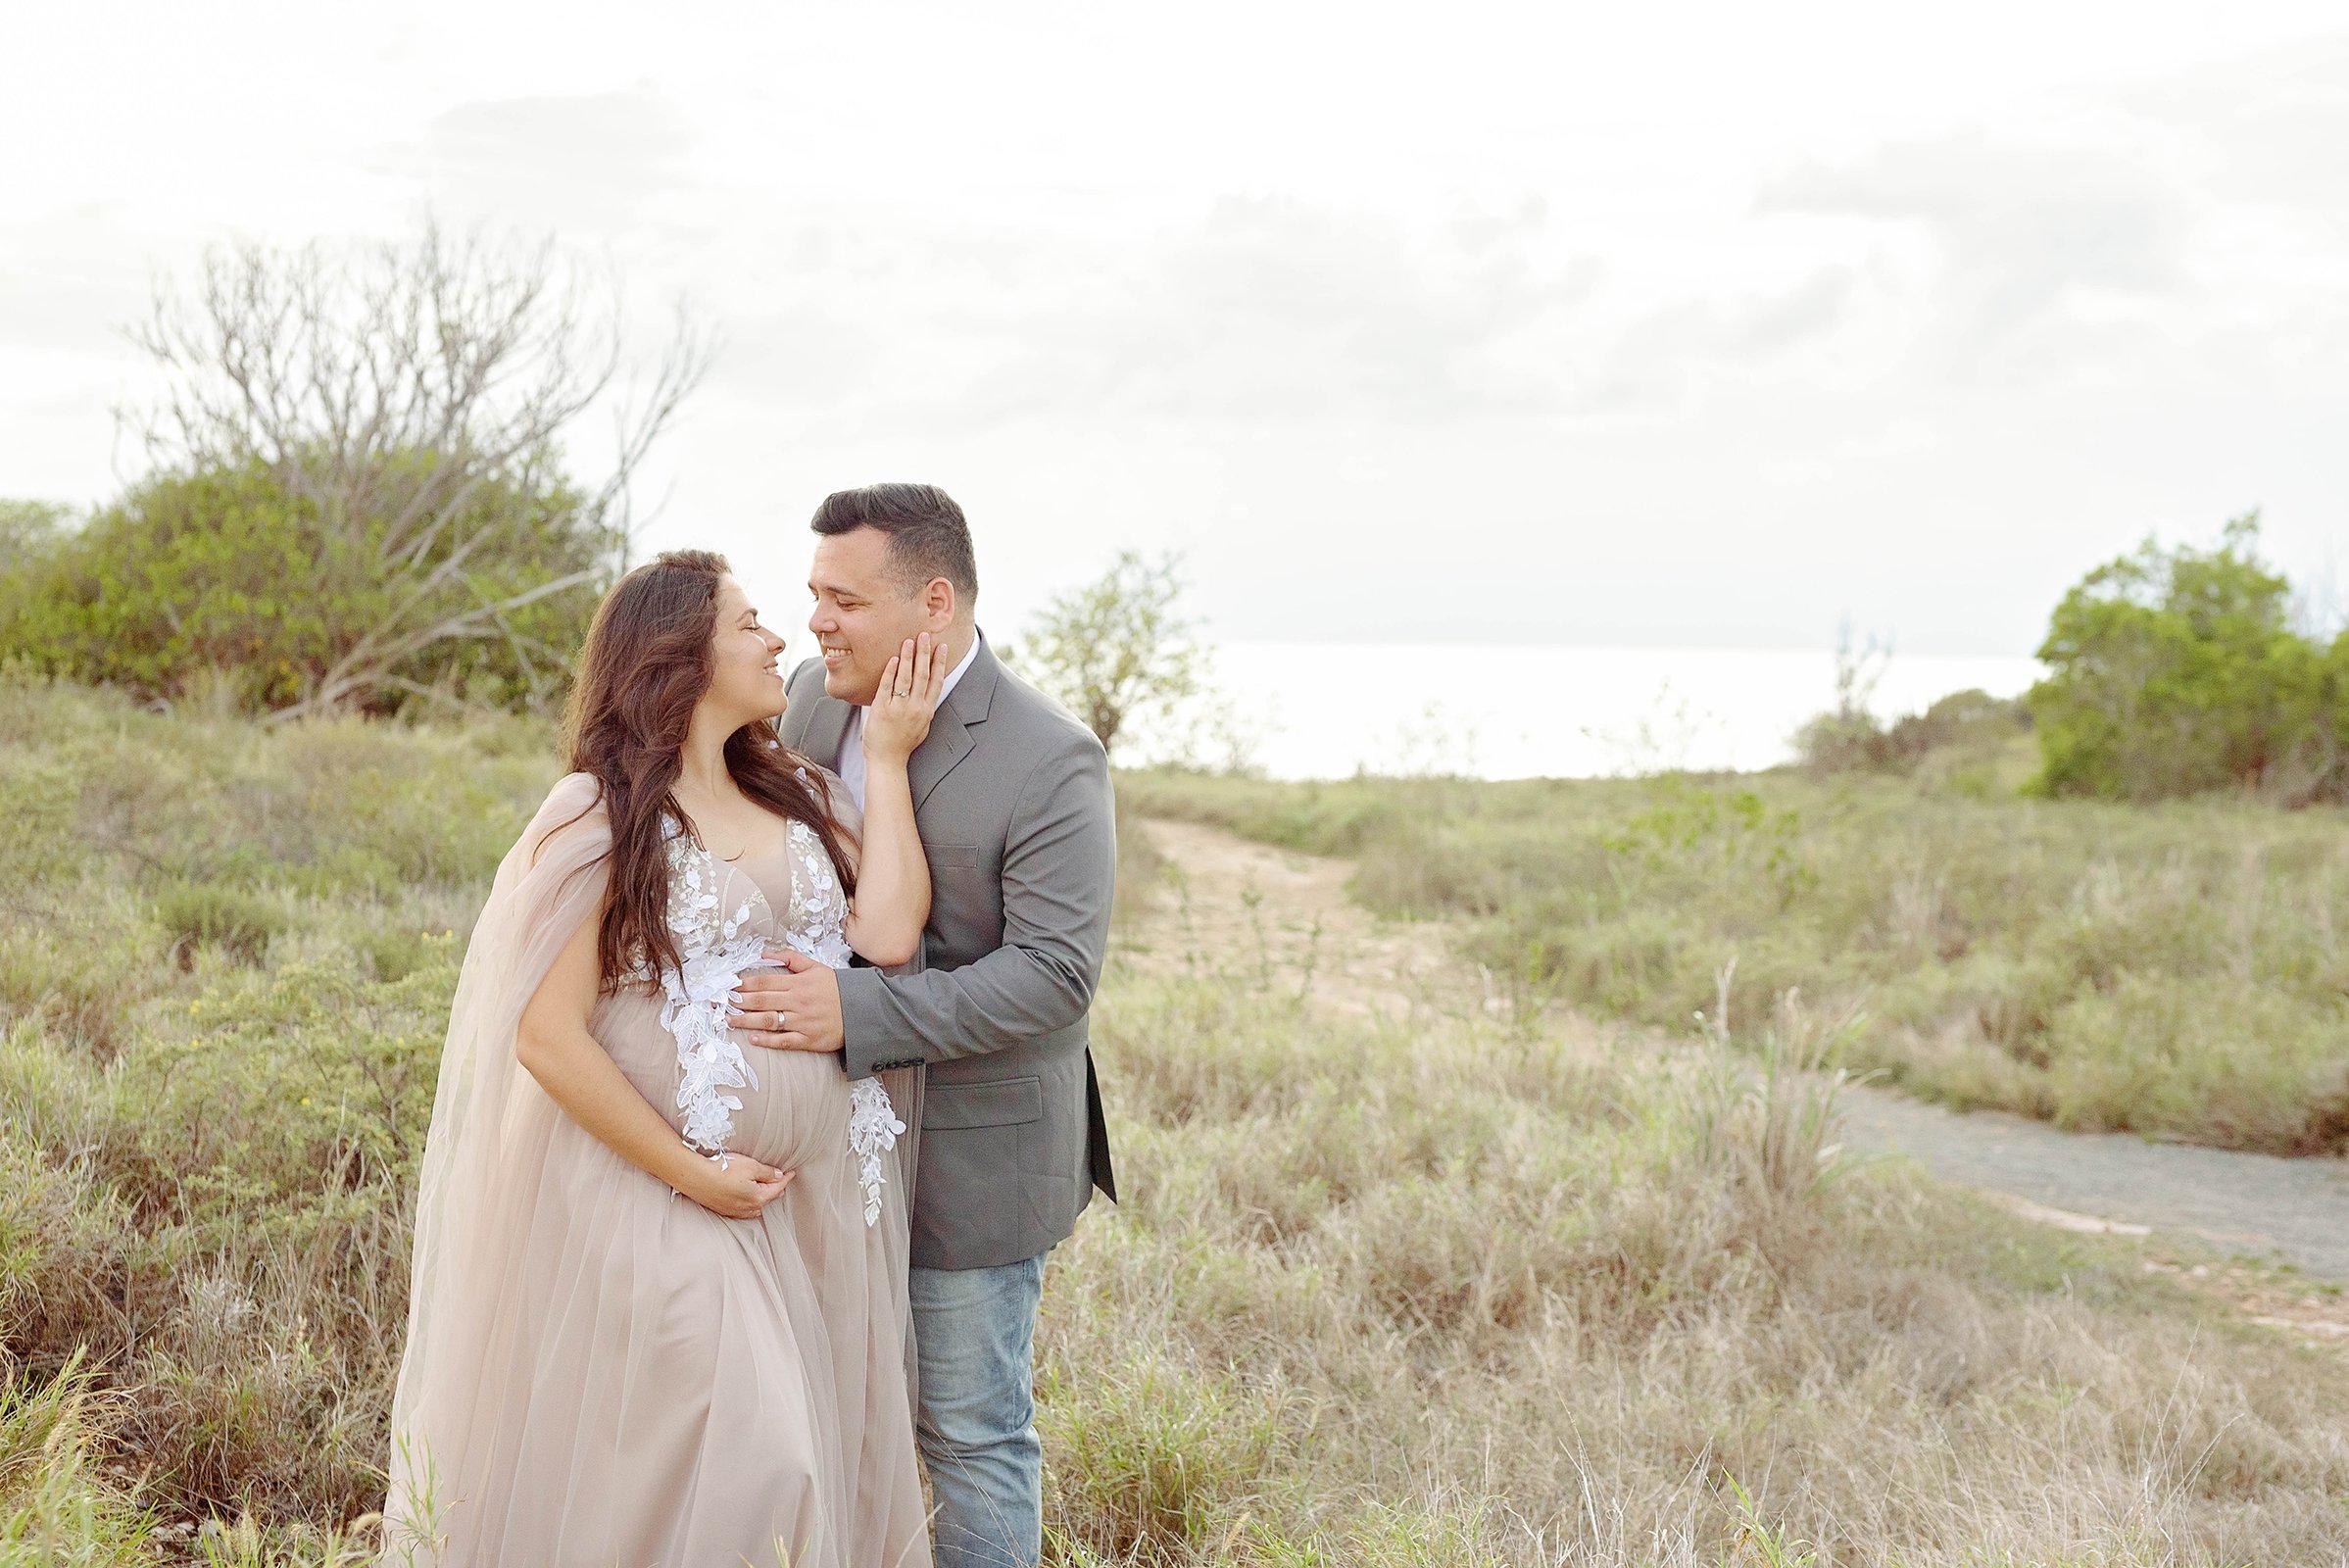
(227, 580)
(2176, 671)
(1117, 649)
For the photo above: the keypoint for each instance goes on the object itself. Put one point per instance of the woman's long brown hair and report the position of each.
(645, 667)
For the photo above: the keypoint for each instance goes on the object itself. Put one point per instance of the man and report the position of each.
(1012, 797)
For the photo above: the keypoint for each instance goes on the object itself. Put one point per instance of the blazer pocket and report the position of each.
(1004, 1104)
(957, 855)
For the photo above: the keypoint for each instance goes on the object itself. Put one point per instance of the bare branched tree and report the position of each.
(1859, 670)
(414, 394)
(1849, 735)
(1116, 647)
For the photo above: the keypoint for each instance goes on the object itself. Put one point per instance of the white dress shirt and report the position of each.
(850, 765)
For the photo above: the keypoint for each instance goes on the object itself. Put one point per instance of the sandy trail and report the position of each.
(1229, 904)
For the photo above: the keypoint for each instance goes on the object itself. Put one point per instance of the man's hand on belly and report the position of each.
(796, 1007)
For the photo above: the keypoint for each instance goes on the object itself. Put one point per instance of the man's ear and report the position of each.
(938, 603)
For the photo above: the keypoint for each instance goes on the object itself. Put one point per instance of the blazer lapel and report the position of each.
(948, 741)
(820, 740)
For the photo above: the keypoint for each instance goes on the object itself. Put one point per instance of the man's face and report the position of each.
(865, 611)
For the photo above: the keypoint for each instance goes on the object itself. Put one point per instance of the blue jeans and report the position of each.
(974, 1334)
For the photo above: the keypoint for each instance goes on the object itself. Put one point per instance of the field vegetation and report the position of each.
(2180, 970)
(1466, 1289)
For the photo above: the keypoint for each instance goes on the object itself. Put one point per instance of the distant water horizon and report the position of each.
(1322, 710)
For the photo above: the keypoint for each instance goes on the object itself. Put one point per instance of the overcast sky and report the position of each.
(1536, 324)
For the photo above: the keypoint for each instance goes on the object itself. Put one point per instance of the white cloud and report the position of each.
(584, 164)
(1685, 327)
(2021, 232)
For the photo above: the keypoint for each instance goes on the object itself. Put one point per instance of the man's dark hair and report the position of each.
(927, 536)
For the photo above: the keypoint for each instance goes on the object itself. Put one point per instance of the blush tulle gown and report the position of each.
(600, 1372)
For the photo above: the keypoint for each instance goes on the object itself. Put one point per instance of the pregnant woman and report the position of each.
(657, 1313)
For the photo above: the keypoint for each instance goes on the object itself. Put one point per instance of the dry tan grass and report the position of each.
(1451, 1290)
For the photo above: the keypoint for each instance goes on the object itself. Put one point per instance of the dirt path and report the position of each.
(1227, 902)
(1230, 901)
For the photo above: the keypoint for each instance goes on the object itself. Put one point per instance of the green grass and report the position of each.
(2179, 971)
(1479, 1291)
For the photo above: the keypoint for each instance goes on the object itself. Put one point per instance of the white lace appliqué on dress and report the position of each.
(817, 925)
(873, 1129)
(715, 946)
(714, 949)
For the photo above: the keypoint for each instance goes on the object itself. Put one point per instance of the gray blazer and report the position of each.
(1012, 797)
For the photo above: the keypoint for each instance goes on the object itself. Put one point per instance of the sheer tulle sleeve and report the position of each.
(847, 815)
(486, 1152)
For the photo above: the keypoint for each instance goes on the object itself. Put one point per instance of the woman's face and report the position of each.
(744, 683)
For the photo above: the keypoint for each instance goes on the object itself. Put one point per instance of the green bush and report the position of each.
(217, 571)
(1974, 725)
(232, 579)
(286, 1102)
(201, 913)
(2177, 671)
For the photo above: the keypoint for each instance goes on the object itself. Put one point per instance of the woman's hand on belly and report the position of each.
(735, 1186)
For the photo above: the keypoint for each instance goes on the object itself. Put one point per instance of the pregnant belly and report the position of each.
(798, 1116)
(798, 1113)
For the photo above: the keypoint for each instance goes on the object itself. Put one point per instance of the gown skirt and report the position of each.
(659, 1387)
